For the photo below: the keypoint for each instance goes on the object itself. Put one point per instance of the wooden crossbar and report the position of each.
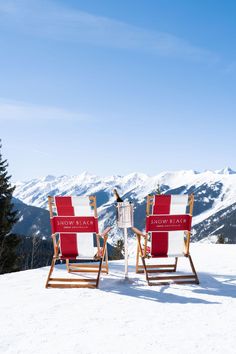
(90, 265)
(159, 265)
(154, 268)
(71, 286)
(92, 270)
(173, 282)
(81, 267)
(83, 271)
(171, 277)
(160, 270)
(72, 280)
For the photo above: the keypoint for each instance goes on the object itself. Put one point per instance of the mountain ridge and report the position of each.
(214, 191)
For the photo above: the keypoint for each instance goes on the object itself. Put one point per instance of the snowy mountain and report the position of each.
(32, 220)
(215, 196)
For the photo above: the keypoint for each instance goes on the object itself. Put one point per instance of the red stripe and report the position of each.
(68, 245)
(65, 211)
(159, 240)
(159, 244)
(63, 201)
(161, 204)
(68, 242)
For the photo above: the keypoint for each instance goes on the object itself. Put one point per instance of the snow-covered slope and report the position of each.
(214, 192)
(124, 317)
(32, 220)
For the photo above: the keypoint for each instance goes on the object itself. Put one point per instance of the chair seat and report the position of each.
(169, 255)
(76, 256)
(148, 252)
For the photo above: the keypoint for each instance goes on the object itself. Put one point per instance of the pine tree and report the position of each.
(221, 239)
(8, 218)
(118, 250)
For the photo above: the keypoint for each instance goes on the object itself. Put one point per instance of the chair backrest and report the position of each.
(168, 223)
(75, 220)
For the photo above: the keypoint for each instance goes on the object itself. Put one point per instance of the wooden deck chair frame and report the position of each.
(153, 271)
(87, 267)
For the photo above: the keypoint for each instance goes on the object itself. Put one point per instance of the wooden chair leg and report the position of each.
(106, 260)
(137, 259)
(176, 261)
(193, 269)
(99, 272)
(50, 271)
(145, 269)
(67, 265)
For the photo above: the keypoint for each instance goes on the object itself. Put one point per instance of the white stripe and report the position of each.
(85, 245)
(83, 211)
(178, 204)
(175, 243)
(88, 258)
(84, 240)
(82, 206)
(76, 201)
(176, 238)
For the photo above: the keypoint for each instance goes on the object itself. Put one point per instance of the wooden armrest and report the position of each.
(138, 232)
(105, 232)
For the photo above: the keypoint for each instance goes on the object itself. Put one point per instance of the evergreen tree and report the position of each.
(8, 218)
(118, 250)
(221, 239)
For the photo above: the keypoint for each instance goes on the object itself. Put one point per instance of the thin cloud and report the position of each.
(21, 111)
(61, 23)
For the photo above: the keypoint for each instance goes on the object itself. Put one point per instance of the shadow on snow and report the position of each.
(135, 286)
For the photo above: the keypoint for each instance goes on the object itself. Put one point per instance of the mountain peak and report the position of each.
(85, 174)
(49, 178)
(226, 171)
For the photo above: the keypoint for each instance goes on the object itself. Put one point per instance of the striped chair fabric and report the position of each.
(167, 225)
(76, 242)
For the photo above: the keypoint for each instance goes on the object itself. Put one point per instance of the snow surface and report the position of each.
(124, 316)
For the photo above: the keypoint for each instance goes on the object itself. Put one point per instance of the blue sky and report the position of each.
(113, 87)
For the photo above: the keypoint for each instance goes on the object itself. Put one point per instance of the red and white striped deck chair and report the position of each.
(75, 236)
(168, 230)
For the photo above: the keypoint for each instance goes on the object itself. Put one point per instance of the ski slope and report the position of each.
(124, 316)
